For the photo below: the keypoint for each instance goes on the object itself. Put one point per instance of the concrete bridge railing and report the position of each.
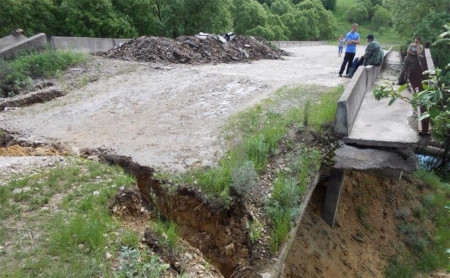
(84, 44)
(351, 100)
(93, 45)
(38, 41)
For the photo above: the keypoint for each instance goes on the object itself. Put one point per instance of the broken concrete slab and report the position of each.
(366, 159)
(379, 124)
(15, 37)
(38, 42)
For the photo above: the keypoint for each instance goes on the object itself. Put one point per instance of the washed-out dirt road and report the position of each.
(166, 116)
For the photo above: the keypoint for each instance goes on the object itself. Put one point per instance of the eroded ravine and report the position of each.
(219, 232)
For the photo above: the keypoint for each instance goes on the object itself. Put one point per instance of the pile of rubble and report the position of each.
(199, 49)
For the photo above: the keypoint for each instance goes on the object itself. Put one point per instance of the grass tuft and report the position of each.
(19, 73)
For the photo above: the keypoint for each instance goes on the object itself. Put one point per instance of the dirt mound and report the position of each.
(199, 49)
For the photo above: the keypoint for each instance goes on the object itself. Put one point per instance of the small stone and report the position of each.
(188, 256)
(358, 238)
(229, 249)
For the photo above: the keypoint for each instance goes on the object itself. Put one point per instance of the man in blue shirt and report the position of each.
(352, 39)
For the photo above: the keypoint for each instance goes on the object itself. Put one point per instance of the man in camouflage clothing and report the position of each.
(374, 53)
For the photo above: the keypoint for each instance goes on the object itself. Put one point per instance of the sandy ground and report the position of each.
(168, 117)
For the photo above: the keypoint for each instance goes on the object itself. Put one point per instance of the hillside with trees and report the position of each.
(270, 19)
(273, 20)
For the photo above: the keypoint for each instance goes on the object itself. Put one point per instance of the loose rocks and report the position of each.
(200, 49)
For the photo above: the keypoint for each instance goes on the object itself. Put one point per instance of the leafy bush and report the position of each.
(329, 4)
(381, 17)
(134, 263)
(255, 227)
(357, 13)
(244, 178)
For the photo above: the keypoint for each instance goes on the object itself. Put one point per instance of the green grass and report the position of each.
(167, 233)
(427, 247)
(387, 38)
(62, 227)
(254, 135)
(21, 71)
(283, 205)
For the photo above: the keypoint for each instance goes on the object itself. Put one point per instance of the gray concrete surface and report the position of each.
(10, 40)
(333, 195)
(350, 101)
(285, 44)
(85, 45)
(380, 124)
(38, 41)
(354, 158)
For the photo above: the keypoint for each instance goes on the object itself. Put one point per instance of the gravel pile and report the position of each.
(199, 49)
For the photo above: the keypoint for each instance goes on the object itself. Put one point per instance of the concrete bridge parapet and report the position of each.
(351, 100)
(84, 44)
(13, 38)
(38, 41)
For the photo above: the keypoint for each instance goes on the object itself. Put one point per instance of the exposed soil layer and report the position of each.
(219, 231)
(366, 232)
(38, 96)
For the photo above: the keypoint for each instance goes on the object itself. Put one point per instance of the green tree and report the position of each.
(266, 2)
(247, 15)
(94, 19)
(357, 13)
(381, 17)
(296, 24)
(142, 14)
(424, 18)
(429, 28)
(280, 7)
(263, 32)
(406, 15)
(279, 29)
(329, 4)
(33, 16)
(369, 7)
(318, 18)
(189, 17)
(213, 16)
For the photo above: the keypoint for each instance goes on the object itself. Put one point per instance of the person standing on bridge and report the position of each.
(374, 54)
(352, 39)
(413, 53)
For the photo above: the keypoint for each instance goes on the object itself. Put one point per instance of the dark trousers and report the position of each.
(348, 60)
(407, 68)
